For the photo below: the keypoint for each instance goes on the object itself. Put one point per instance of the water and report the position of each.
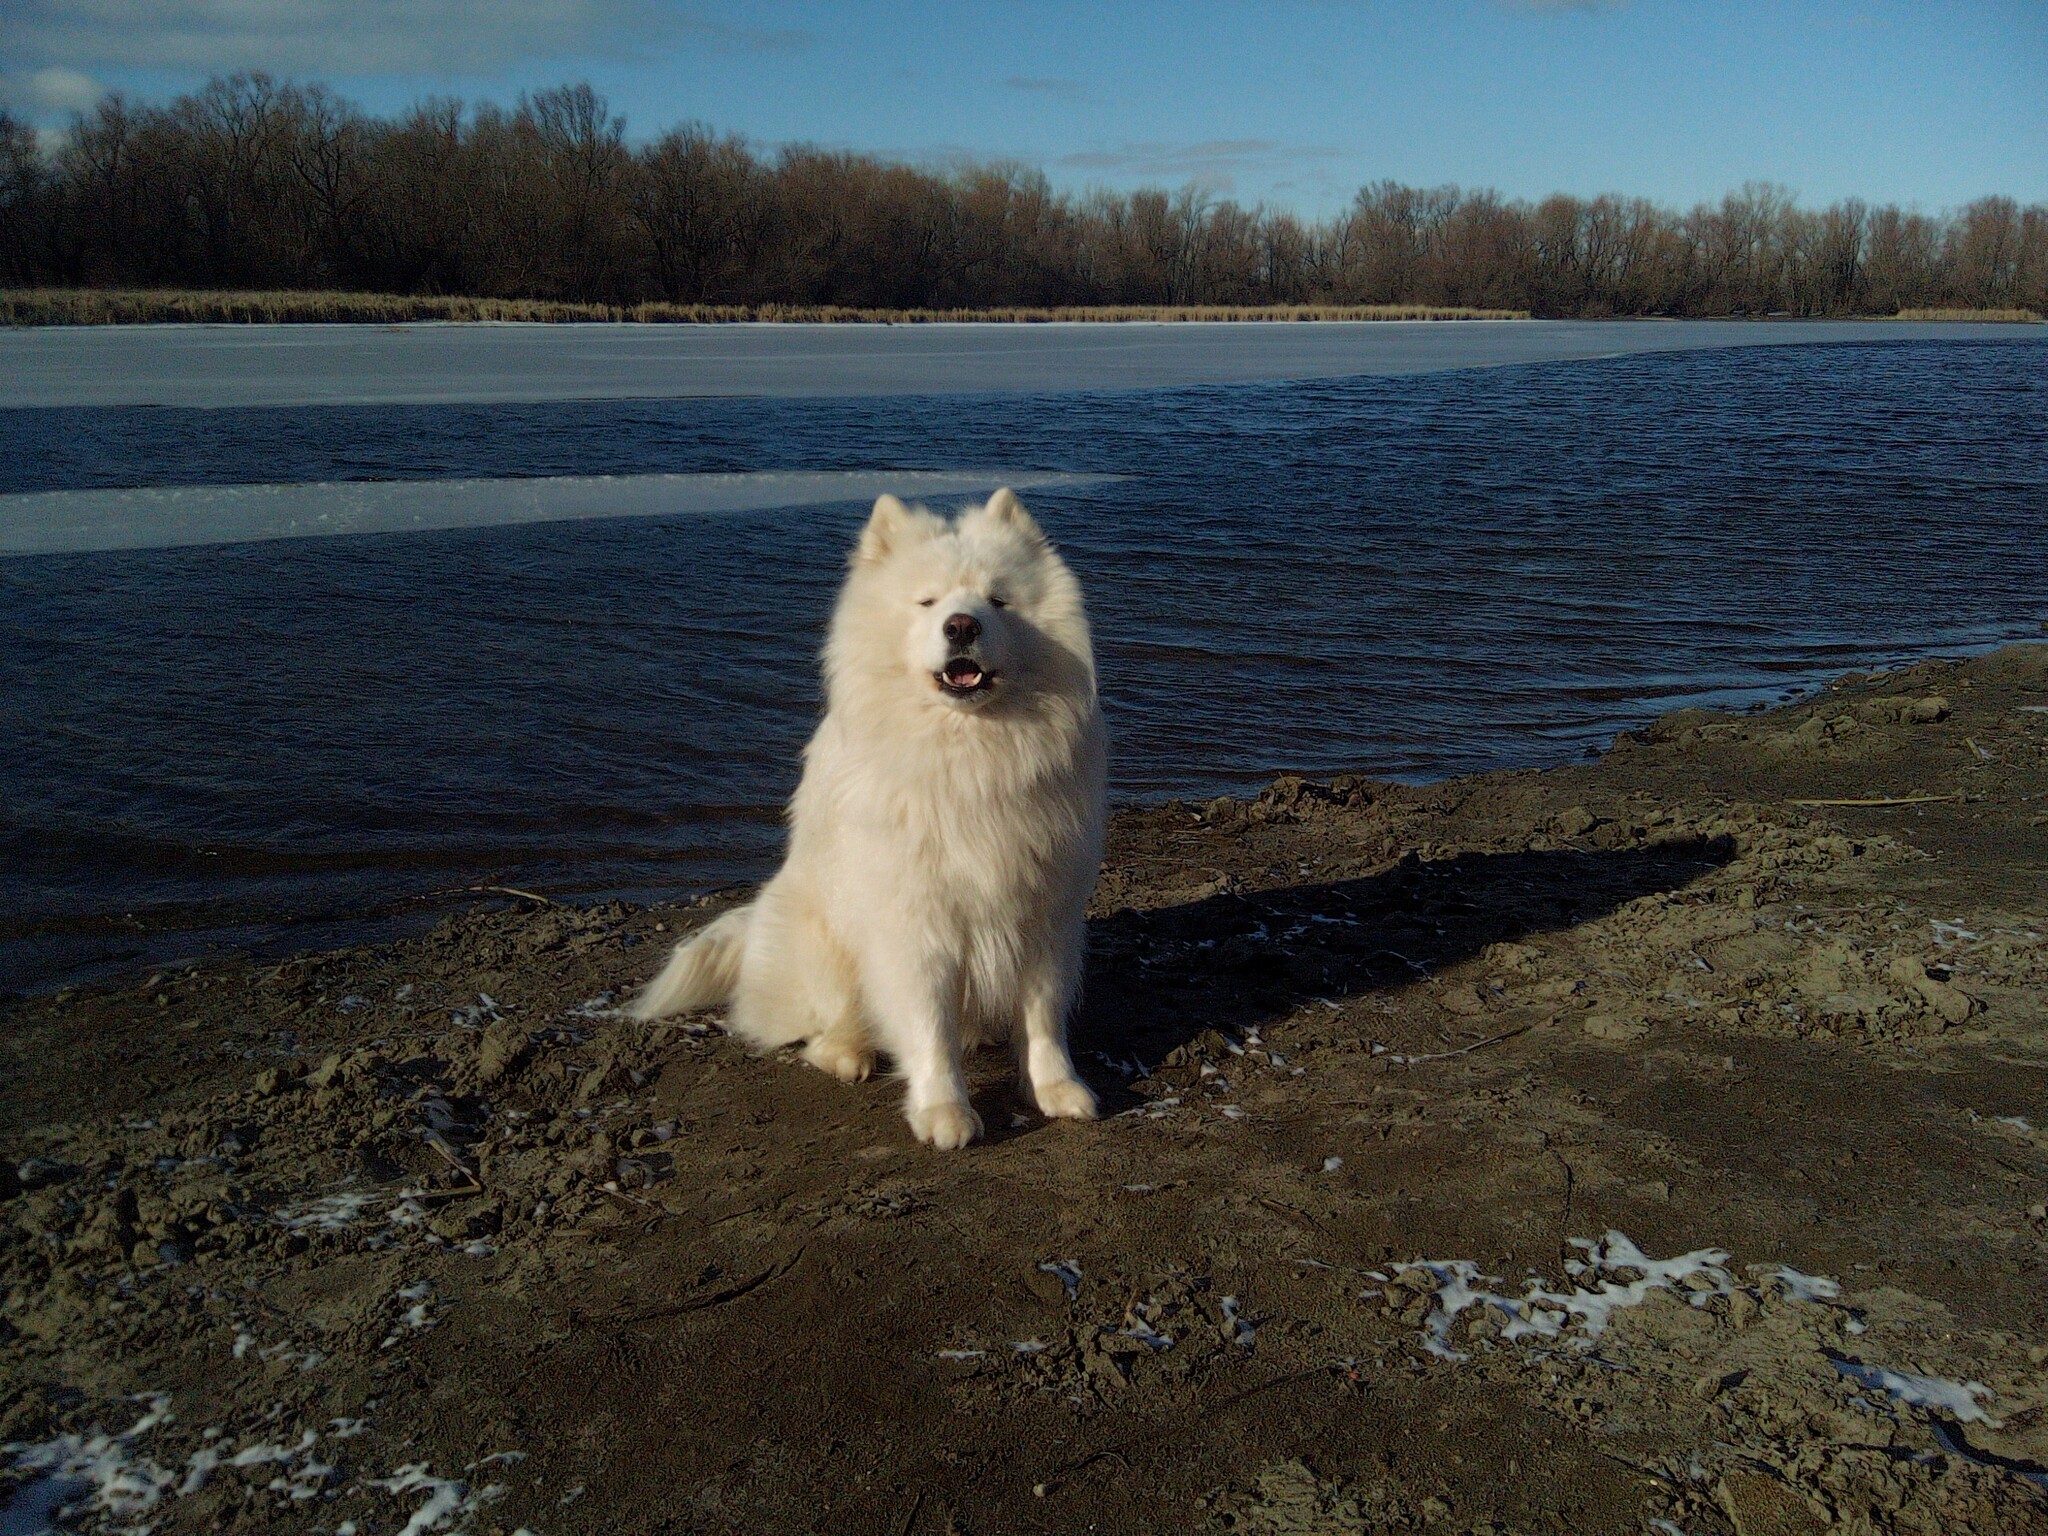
(274, 365)
(260, 743)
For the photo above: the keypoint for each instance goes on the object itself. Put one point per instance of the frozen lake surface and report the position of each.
(282, 365)
(167, 516)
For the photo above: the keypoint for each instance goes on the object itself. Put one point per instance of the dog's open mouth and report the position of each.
(963, 675)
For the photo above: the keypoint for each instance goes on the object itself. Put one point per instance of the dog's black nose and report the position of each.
(962, 629)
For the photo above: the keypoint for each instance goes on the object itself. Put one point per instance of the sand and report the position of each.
(1626, 1147)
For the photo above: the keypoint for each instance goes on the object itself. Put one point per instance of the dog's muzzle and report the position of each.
(963, 675)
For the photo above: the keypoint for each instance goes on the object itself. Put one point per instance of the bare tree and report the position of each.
(260, 183)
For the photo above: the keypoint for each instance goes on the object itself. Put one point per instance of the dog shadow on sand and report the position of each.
(1159, 978)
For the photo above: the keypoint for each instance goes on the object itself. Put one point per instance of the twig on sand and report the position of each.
(1266, 1386)
(439, 1143)
(434, 1196)
(717, 1298)
(1884, 800)
(1290, 1213)
(1463, 1050)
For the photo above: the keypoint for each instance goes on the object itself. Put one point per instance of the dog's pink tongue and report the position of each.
(962, 673)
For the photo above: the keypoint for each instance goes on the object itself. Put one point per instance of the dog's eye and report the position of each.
(926, 602)
(996, 602)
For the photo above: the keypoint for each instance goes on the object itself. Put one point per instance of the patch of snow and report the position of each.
(1547, 1314)
(199, 1466)
(97, 1473)
(449, 1502)
(1067, 1272)
(478, 1014)
(1799, 1287)
(330, 1213)
(1137, 1328)
(1958, 1399)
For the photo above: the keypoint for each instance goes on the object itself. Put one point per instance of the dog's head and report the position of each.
(967, 614)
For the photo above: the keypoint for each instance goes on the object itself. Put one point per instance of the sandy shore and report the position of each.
(1625, 1147)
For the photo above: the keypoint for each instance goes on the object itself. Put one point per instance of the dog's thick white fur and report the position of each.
(946, 833)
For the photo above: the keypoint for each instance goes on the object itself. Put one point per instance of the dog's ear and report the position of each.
(1006, 511)
(888, 526)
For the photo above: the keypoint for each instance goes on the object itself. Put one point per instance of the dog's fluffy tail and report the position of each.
(703, 972)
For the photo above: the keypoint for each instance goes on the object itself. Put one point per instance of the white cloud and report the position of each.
(44, 94)
(1213, 165)
(357, 37)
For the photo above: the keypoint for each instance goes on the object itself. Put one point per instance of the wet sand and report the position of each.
(1617, 1148)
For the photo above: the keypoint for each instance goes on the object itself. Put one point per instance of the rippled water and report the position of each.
(1411, 577)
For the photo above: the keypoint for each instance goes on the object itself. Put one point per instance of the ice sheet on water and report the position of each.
(460, 362)
(162, 517)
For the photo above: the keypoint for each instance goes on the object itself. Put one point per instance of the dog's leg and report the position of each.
(915, 1017)
(842, 1049)
(838, 1040)
(1042, 1059)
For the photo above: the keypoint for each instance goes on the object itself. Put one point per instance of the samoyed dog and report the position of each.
(945, 836)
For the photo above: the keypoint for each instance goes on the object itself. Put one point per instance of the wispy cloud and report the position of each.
(43, 94)
(1214, 165)
(1066, 90)
(359, 37)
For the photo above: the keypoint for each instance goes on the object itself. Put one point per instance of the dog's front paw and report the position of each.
(945, 1126)
(1066, 1099)
(848, 1063)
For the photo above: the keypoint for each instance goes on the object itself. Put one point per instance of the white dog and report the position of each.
(947, 831)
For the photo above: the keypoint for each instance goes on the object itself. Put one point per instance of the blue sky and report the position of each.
(1294, 102)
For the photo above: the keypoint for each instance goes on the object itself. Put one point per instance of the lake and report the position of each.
(568, 644)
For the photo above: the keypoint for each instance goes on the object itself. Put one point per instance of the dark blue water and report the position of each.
(1410, 577)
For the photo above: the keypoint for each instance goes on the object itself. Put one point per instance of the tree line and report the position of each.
(254, 183)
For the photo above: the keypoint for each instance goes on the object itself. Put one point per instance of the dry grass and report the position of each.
(2023, 315)
(95, 306)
